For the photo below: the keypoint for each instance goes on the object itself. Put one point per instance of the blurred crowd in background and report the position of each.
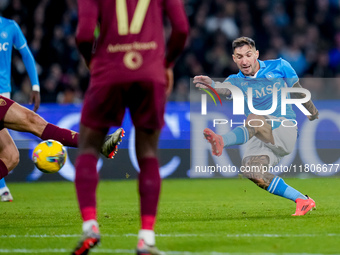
(304, 32)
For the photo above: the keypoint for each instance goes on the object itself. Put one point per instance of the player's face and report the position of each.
(245, 58)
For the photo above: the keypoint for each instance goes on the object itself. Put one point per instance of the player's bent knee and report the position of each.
(34, 119)
(258, 124)
(257, 178)
(34, 123)
(13, 164)
(12, 161)
(251, 176)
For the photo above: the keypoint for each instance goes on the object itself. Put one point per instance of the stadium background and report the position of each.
(304, 32)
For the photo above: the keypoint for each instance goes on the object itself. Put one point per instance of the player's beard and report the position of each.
(248, 71)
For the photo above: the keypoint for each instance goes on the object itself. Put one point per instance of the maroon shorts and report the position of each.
(5, 103)
(104, 105)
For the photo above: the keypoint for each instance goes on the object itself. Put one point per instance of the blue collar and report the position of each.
(262, 64)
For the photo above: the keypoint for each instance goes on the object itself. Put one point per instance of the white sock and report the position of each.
(148, 236)
(87, 225)
(4, 189)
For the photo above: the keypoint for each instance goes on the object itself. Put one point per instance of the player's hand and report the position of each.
(201, 80)
(315, 115)
(35, 98)
(169, 74)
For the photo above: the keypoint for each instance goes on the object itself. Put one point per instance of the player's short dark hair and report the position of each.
(241, 41)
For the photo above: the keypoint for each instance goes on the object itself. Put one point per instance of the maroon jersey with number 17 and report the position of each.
(131, 45)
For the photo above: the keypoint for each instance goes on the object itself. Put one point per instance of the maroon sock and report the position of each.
(149, 189)
(65, 136)
(86, 184)
(3, 169)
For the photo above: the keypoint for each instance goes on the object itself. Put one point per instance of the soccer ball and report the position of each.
(49, 156)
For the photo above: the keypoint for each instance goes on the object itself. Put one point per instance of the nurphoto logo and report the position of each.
(238, 102)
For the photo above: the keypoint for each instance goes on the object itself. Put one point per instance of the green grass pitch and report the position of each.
(200, 216)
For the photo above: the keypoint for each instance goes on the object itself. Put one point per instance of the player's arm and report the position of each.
(88, 13)
(29, 63)
(201, 81)
(20, 43)
(292, 80)
(309, 105)
(180, 30)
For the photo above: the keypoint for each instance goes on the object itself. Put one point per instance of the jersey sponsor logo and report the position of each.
(267, 90)
(2, 102)
(3, 35)
(4, 46)
(133, 60)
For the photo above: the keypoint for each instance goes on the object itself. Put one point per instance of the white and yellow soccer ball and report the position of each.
(49, 156)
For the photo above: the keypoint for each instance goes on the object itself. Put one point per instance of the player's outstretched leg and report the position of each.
(4, 192)
(70, 138)
(21, 119)
(90, 238)
(110, 146)
(275, 184)
(304, 204)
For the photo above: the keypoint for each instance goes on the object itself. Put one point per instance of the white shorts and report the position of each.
(284, 142)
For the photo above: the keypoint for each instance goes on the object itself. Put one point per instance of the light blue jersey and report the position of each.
(278, 73)
(11, 36)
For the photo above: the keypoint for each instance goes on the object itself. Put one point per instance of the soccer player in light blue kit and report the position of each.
(266, 139)
(12, 36)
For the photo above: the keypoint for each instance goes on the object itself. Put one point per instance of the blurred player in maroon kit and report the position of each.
(130, 68)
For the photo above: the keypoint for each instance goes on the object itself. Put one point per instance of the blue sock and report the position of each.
(2, 183)
(280, 188)
(239, 135)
